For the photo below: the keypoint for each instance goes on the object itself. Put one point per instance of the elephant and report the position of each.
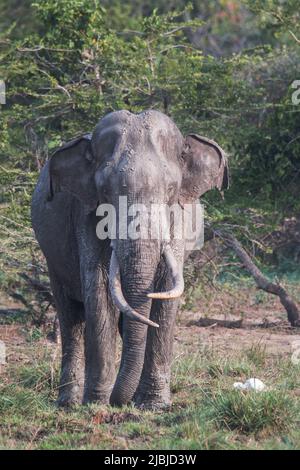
(131, 286)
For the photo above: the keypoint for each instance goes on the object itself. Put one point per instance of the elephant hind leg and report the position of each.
(71, 319)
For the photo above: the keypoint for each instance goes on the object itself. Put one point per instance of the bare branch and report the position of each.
(38, 286)
(261, 281)
(294, 37)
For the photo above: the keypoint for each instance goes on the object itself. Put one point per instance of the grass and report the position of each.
(256, 354)
(250, 413)
(207, 413)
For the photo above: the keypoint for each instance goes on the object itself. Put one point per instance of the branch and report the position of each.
(42, 48)
(294, 37)
(39, 287)
(261, 281)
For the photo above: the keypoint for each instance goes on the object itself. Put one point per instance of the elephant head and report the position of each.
(145, 158)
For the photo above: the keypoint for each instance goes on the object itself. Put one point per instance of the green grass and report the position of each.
(206, 413)
(14, 316)
(256, 354)
(250, 412)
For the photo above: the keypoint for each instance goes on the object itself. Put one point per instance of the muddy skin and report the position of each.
(145, 158)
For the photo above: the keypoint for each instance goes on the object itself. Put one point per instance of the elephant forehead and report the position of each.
(161, 130)
(147, 119)
(149, 129)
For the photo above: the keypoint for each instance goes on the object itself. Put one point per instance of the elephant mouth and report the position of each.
(117, 293)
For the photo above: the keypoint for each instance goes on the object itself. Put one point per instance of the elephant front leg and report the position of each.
(100, 344)
(72, 363)
(153, 391)
(71, 320)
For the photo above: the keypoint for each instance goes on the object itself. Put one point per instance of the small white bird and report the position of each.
(251, 384)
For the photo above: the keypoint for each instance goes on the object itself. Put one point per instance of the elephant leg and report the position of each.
(100, 343)
(71, 320)
(153, 391)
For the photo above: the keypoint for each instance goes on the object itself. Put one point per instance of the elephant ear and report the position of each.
(205, 167)
(71, 169)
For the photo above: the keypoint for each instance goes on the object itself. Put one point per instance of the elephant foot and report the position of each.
(92, 396)
(156, 400)
(69, 396)
(153, 405)
(153, 392)
(67, 401)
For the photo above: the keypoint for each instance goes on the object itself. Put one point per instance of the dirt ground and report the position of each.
(228, 324)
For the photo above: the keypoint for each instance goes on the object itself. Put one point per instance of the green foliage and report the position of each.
(79, 65)
(81, 68)
(281, 18)
(17, 16)
(222, 69)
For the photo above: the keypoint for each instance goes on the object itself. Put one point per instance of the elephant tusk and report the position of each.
(177, 276)
(117, 294)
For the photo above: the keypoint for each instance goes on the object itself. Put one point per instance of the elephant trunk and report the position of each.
(137, 261)
(117, 293)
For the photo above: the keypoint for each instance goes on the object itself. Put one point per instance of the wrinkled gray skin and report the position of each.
(146, 158)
